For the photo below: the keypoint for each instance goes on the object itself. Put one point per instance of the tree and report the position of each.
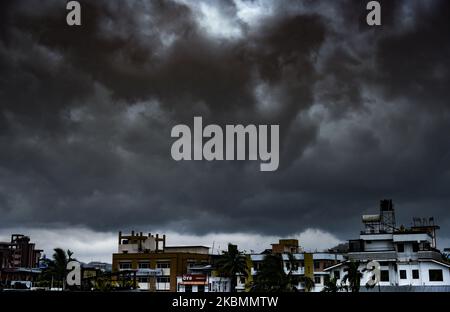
(331, 285)
(56, 267)
(308, 283)
(353, 276)
(232, 263)
(271, 276)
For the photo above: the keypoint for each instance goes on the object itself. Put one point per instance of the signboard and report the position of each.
(150, 272)
(193, 279)
(309, 265)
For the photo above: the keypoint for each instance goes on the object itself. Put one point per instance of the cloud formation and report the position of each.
(86, 113)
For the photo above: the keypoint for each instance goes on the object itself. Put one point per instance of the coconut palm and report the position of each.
(331, 285)
(57, 266)
(271, 277)
(232, 263)
(353, 276)
(308, 283)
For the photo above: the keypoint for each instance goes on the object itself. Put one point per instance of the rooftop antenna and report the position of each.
(387, 215)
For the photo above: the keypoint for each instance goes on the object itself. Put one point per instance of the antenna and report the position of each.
(387, 214)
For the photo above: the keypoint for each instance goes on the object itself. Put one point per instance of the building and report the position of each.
(408, 258)
(311, 265)
(156, 265)
(19, 253)
(19, 260)
(99, 266)
(203, 278)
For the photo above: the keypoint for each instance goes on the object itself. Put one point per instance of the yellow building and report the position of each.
(156, 265)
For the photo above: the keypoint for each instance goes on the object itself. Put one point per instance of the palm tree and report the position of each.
(56, 267)
(308, 283)
(353, 276)
(232, 263)
(292, 280)
(271, 277)
(331, 285)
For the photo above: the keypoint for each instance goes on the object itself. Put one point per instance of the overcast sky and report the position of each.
(86, 114)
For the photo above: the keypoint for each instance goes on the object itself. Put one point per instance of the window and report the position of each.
(163, 279)
(201, 288)
(144, 265)
(125, 265)
(294, 266)
(163, 265)
(415, 247)
(415, 274)
(400, 248)
(188, 288)
(402, 274)
(435, 275)
(142, 279)
(316, 265)
(190, 264)
(384, 276)
(316, 279)
(337, 274)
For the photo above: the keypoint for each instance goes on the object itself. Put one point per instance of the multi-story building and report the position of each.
(19, 260)
(19, 253)
(156, 265)
(307, 264)
(408, 258)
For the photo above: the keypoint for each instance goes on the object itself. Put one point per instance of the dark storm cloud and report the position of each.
(86, 114)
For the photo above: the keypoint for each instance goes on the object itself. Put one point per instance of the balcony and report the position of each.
(373, 255)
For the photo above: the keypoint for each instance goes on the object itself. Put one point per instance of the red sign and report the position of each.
(194, 278)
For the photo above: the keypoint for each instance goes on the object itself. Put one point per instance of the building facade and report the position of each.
(19, 253)
(156, 265)
(203, 278)
(408, 258)
(307, 264)
(19, 260)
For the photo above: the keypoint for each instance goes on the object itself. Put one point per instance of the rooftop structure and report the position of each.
(408, 256)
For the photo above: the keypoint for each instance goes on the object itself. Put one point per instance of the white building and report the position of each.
(317, 263)
(408, 258)
(306, 264)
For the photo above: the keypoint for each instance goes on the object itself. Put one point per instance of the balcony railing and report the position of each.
(372, 255)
